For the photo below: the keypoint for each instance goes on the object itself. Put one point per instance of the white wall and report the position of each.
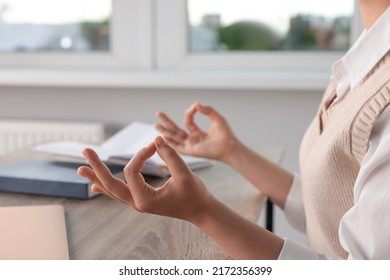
(260, 118)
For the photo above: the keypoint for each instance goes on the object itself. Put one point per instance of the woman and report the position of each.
(340, 199)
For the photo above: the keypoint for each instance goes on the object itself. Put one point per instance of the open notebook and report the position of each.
(122, 146)
(33, 233)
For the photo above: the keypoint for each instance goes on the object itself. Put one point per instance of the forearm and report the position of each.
(271, 179)
(238, 237)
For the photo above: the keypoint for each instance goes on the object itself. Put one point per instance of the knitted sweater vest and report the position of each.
(331, 154)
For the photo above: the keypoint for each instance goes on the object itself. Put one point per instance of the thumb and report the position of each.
(175, 163)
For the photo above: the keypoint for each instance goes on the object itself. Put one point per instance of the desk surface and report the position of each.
(102, 228)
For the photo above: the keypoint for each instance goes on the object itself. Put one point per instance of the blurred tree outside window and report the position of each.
(278, 25)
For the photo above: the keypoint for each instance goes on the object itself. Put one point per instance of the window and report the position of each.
(109, 34)
(195, 43)
(278, 25)
(300, 35)
(54, 26)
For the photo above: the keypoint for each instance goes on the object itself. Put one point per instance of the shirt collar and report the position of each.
(367, 51)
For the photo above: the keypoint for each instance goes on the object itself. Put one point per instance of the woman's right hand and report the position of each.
(217, 143)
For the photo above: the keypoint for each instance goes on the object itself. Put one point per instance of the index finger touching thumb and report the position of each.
(210, 112)
(175, 163)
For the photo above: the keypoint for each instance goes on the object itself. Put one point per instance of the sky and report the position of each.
(273, 12)
(54, 11)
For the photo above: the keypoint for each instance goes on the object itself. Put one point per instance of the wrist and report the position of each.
(233, 151)
(202, 217)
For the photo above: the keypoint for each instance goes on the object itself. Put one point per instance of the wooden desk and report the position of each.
(102, 228)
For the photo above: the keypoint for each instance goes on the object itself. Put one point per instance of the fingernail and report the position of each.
(160, 141)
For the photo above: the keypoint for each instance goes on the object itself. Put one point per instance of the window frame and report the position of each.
(173, 21)
(128, 17)
(159, 61)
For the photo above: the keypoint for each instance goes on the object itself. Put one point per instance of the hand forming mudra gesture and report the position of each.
(183, 196)
(217, 143)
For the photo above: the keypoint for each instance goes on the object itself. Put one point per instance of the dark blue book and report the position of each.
(49, 178)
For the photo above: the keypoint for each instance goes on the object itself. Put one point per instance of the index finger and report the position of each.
(175, 163)
(136, 182)
(210, 112)
(136, 164)
(189, 119)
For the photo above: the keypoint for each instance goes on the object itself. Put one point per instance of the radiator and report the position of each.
(19, 134)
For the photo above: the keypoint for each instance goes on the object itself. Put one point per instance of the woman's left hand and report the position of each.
(183, 196)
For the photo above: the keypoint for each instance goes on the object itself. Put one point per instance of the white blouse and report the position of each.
(364, 230)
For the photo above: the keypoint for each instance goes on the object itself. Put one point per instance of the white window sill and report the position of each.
(245, 80)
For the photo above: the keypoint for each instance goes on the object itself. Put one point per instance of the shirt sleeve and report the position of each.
(292, 250)
(365, 228)
(294, 210)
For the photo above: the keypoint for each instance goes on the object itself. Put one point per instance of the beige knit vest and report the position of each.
(332, 151)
